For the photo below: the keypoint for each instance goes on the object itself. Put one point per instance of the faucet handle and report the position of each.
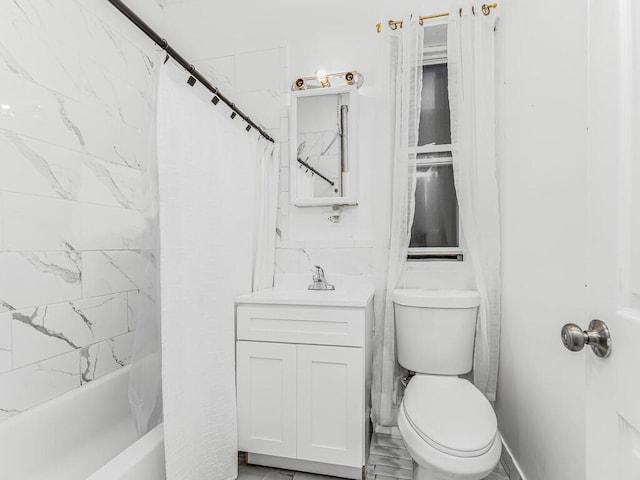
(318, 273)
(319, 281)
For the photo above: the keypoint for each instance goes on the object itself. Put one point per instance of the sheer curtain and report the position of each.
(470, 41)
(405, 54)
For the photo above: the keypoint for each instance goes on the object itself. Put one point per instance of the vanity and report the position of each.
(303, 366)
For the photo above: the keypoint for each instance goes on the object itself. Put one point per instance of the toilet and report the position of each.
(447, 424)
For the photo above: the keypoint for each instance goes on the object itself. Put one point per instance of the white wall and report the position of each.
(75, 107)
(542, 162)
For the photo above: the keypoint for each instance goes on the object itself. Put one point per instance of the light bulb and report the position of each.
(323, 78)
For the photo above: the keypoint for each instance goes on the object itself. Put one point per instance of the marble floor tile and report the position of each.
(311, 476)
(497, 476)
(255, 472)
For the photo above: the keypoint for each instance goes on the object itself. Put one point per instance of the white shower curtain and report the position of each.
(207, 178)
(471, 57)
(265, 213)
(405, 54)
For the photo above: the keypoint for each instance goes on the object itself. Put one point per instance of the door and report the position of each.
(330, 404)
(613, 383)
(266, 384)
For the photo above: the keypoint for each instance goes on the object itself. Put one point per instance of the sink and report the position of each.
(351, 291)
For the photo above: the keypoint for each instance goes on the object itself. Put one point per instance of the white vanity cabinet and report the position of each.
(303, 381)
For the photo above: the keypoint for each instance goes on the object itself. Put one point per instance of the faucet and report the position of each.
(319, 281)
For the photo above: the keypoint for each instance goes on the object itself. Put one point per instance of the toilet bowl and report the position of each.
(449, 429)
(447, 424)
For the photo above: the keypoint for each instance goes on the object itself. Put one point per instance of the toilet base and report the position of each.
(430, 464)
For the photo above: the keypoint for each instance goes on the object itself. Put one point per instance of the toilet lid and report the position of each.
(450, 414)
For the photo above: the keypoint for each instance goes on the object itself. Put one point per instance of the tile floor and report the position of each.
(388, 460)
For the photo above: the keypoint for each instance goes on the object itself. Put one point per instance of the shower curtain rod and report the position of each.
(195, 74)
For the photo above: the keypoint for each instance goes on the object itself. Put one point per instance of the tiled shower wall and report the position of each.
(75, 112)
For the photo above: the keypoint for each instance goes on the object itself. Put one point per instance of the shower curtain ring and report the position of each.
(473, 10)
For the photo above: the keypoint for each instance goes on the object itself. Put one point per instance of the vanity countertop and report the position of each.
(351, 291)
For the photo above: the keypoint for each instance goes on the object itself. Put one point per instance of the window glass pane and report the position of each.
(435, 36)
(435, 123)
(435, 223)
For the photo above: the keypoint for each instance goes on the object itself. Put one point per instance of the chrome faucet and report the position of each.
(319, 281)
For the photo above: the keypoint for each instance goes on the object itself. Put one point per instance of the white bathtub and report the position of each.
(87, 433)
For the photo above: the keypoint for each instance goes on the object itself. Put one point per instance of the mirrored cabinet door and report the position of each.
(323, 163)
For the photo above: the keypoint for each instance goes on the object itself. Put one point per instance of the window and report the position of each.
(435, 233)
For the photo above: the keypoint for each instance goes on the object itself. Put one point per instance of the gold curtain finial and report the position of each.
(486, 8)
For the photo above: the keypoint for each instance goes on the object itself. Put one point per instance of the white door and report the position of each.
(266, 398)
(330, 404)
(613, 383)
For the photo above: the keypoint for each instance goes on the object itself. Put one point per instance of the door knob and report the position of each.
(597, 336)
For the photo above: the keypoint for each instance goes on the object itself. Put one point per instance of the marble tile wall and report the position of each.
(75, 117)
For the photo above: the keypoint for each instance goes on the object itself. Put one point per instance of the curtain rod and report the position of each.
(195, 74)
(394, 24)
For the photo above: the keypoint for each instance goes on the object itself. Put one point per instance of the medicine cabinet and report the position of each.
(323, 157)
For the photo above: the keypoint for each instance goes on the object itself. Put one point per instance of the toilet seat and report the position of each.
(450, 415)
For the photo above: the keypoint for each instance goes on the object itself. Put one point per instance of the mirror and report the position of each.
(322, 143)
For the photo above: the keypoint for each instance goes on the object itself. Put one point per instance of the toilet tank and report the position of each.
(435, 330)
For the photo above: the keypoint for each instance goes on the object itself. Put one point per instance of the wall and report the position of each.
(543, 174)
(75, 110)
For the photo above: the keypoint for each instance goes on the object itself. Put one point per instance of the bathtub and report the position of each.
(87, 433)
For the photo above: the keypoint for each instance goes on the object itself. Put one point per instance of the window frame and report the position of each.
(435, 55)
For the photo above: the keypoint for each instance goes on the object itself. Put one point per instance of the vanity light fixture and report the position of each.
(321, 79)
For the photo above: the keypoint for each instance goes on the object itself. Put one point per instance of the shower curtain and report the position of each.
(405, 54)
(471, 57)
(216, 200)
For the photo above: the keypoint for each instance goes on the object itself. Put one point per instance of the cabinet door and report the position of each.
(266, 383)
(330, 404)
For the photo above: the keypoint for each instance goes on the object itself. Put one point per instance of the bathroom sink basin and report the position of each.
(350, 291)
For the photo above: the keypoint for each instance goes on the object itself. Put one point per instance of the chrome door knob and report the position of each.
(597, 336)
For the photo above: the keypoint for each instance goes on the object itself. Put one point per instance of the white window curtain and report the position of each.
(471, 58)
(405, 54)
